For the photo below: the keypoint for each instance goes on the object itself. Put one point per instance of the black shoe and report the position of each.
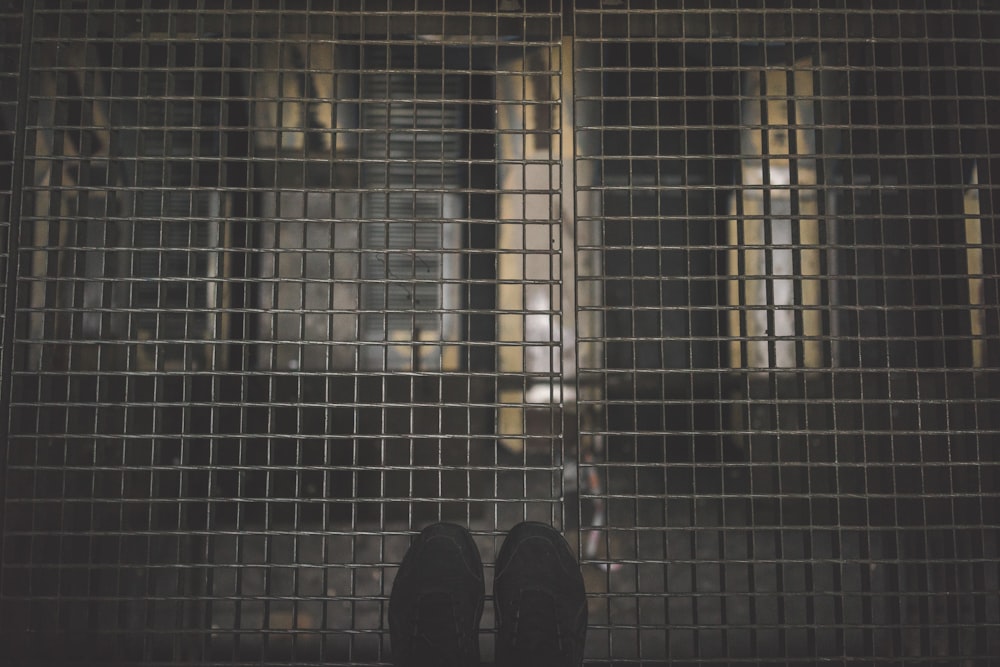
(541, 603)
(437, 600)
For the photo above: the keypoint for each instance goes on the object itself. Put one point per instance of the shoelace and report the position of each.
(537, 635)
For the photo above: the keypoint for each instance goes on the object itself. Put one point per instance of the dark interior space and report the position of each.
(713, 289)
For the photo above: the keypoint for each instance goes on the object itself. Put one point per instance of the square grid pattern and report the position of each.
(711, 289)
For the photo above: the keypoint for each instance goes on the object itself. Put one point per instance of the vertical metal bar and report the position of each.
(767, 224)
(795, 213)
(567, 188)
(17, 203)
(824, 90)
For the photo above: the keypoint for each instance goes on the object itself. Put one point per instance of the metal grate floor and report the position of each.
(712, 289)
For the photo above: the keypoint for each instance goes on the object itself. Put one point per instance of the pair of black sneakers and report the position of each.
(437, 600)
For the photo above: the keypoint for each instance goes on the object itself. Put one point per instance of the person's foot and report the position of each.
(540, 600)
(437, 600)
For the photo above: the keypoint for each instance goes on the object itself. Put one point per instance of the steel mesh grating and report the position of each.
(713, 290)
(10, 69)
(789, 384)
